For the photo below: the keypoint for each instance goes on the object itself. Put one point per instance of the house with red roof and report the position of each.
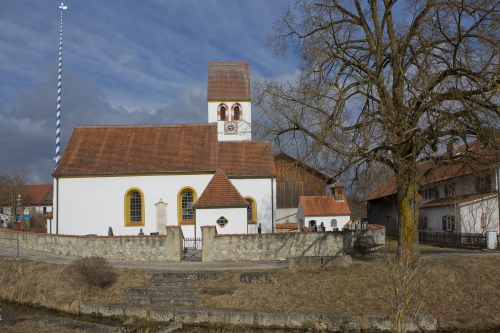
(143, 178)
(33, 196)
(326, 212)
(453, 197)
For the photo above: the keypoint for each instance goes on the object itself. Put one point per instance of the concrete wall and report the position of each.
(280, 246)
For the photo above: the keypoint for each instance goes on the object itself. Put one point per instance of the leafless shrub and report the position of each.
(407, 288)
(92, 271)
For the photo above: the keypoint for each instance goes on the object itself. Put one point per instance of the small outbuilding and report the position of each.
(324, 213)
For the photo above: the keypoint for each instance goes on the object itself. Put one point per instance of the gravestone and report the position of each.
(161, 216)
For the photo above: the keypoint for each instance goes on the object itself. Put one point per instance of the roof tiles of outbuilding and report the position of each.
(228, 81)
(220, 192)
(323, 206)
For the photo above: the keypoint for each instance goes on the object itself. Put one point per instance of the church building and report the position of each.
(143, 178)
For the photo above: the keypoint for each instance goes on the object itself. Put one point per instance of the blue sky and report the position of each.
(124, 62)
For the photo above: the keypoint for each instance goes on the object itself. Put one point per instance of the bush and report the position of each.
(93, 271)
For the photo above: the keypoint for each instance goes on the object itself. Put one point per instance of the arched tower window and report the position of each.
(222, 112)
(186, 199)
(134, 208)
(236, 112)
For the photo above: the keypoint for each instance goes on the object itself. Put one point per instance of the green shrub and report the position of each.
(93, 271)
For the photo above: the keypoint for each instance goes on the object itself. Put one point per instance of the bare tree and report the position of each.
(12, 185)
(386, 81)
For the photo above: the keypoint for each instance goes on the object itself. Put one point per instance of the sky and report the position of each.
(124, 62)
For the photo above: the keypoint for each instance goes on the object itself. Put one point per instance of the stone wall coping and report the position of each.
(81, 236)
(208, 226)
(173, 226)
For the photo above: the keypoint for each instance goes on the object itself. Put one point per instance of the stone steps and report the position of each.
(166, 288)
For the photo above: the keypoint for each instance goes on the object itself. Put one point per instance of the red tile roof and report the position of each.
(31, 195)
(220, 192)
(246, 158)
(481, 159)
(39, 194)
(287, 226)
(323, 205)
(106, 150)
(228, 81)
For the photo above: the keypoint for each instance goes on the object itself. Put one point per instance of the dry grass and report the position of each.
(462, 291)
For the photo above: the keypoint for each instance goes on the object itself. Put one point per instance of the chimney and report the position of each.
(452, 147)
(337, 190)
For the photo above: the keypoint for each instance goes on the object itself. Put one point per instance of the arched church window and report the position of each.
(251, 210)
(134, 208)
(185, 199)
(187, 205)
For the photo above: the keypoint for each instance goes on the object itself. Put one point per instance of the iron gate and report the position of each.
(192, 249)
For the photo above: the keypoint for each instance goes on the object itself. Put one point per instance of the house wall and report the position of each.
(90, 205)
(435, 215)
(286, 215)
(471, 215)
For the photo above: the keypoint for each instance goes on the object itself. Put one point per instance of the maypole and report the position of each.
(58, 119)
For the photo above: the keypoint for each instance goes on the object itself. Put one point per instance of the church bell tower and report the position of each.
(228, 96)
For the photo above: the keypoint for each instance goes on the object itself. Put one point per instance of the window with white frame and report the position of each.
(448, 222)
(333, 223)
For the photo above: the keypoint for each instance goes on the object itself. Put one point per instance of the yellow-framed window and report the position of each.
(134, 208)
(186, 198)
(251, 210)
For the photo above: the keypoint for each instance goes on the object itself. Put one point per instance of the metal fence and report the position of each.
(451, 238)
(10, 243)
(192, 243)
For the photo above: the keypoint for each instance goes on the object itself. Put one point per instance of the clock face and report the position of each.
(230, 127)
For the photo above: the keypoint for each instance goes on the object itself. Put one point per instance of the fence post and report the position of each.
(17, 245)
(491, 240)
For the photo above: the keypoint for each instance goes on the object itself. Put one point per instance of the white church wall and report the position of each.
(84, 210)
(236, 217)
(263, 191)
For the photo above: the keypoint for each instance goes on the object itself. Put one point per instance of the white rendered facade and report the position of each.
(90, 205)
(341, 220)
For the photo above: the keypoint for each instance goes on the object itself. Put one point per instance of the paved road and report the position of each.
(189, 265)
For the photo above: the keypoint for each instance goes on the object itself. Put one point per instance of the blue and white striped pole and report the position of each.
(58, 119)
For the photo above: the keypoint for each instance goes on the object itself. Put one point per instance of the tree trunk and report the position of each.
(407, 203)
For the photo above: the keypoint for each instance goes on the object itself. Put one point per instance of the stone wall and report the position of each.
(114, 247)
(261, 247)
(281, 246)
